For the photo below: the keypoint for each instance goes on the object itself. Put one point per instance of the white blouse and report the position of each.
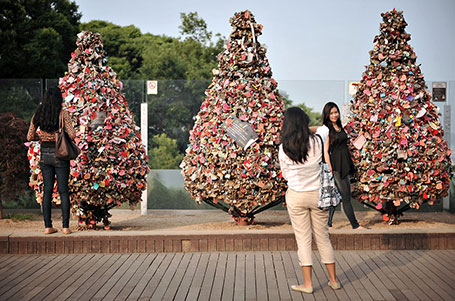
(303, 176)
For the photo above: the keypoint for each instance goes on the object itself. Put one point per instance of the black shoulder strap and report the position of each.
(322, 146)
(60, 122)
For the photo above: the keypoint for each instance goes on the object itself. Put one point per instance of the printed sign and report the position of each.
(242, 132)
(360, 142)
(439, 91)
(152, 87)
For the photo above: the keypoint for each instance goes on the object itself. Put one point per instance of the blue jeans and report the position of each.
(344, 187)
(51, 167)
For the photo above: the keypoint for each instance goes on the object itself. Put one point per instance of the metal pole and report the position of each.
(144, 132)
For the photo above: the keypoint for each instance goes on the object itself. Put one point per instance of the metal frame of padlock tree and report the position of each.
(240, 217)
(393, 212)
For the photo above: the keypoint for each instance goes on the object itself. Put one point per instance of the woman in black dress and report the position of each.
(339, 158)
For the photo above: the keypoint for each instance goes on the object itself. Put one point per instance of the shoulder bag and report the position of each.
(65, 148)
(328, 193)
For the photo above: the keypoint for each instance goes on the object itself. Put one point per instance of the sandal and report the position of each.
(66, 231)
(302, 289)
(50, 230)
(335, 286)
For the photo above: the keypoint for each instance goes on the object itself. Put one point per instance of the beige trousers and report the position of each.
(308, 219)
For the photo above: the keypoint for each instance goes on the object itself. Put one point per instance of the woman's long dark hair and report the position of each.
(295, 134)
(326, 119)
(47, 114)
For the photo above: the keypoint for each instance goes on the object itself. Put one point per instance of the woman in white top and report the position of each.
(300, 154)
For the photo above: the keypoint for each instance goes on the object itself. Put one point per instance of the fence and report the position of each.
(171, 112)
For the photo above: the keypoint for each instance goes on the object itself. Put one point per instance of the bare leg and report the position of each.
(331, 270)
(307, 275)
(307, 286)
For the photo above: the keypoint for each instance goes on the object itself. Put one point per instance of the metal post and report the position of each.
(447, 125)
(144, 132)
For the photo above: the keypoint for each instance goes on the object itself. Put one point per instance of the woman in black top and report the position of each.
(339, 158)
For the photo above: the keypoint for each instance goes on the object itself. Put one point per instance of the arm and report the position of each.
(283, 165)
(68, 125)
(31, 131)
(326, 153)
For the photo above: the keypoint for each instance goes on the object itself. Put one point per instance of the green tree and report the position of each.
(164, 153)
(285, 98)
(162, 60)
(37, 37)
(123, 45)
(149, 56)
(194, 27)
(13, 158)
(316, 118)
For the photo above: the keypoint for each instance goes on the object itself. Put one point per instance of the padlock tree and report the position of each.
(112, 166)
(401, 156)
(218, 168)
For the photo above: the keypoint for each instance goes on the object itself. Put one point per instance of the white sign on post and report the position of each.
(152, 87)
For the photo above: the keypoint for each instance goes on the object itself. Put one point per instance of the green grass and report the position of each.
(126, 205)
(22, 217)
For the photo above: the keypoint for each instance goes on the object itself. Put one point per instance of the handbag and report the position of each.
(65, 148)
(328, 193)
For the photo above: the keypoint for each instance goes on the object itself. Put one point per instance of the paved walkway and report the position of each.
(365, 275)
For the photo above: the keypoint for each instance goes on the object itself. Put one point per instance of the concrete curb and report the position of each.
(146, 242)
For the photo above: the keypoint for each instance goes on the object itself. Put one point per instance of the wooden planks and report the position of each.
(365, 275)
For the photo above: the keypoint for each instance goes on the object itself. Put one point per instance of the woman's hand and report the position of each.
(313, 129)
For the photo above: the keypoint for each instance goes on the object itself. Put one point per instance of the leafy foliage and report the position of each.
(147, 56)
(316, 118)
(37, 37)
(13, 157)
(195, 27)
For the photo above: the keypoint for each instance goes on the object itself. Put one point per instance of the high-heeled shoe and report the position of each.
(306, 290)
(335, 286)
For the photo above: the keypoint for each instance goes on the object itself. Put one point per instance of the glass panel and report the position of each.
(134, 91)
(20, 96)
(165, 191)
(170, 118)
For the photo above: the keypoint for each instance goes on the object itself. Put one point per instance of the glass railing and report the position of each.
(171, 115)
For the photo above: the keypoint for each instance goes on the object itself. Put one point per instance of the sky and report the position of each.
(314, 47)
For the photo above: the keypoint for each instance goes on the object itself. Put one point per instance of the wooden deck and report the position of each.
(365, 275)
